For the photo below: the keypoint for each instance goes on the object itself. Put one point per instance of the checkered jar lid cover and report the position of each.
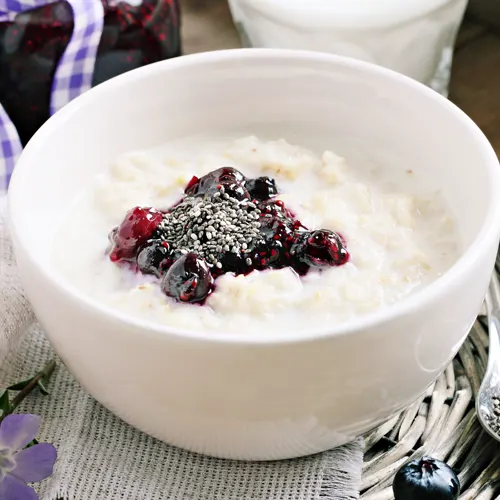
(73, 75)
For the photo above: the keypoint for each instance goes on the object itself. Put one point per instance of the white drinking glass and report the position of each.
(413, 37)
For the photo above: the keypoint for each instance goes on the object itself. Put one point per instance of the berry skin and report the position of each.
(320, 248)
(137, 227)
(188, 279)
(426, 479)
(231, 263)
(155, 258)
(225, 176)
(228, 173)
(232, 188)
(262, 188)
(278, 233)
(192, 185)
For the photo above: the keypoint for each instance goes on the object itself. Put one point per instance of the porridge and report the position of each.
(249, 235)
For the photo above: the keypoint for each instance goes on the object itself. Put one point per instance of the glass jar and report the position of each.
(135, 33)
(413, 37)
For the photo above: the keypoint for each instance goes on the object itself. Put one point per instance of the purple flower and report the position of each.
(19, 466)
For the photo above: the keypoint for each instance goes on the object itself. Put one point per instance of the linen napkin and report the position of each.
(102, 458)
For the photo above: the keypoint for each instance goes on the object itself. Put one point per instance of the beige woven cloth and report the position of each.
(102, 458)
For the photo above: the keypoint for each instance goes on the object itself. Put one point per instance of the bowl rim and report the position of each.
(410, 304)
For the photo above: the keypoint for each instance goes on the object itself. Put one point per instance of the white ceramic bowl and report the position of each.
(259, 396)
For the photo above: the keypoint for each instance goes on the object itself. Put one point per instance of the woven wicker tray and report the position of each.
(441, 424)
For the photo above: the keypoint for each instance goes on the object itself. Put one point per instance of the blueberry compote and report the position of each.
(224, 223)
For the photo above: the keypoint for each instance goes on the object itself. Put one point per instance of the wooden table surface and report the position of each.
(475, 84)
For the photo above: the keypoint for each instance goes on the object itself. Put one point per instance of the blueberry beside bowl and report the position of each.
(259, 396)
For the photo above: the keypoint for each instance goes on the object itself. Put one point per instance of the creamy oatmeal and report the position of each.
(354, 243)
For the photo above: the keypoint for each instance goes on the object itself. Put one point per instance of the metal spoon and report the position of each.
(489, 392)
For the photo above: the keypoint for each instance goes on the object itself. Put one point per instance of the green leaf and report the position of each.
(32, 443)
(20, 385)
(41, 385)
(5, 402)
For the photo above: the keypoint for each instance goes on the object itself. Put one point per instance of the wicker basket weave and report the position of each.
(441, 424)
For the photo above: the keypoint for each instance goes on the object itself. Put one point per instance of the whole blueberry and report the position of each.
(155, 257)
(227, 173)
(261, 188)
(320, 248)
(223, 175)
(188, 279)
(426, 479)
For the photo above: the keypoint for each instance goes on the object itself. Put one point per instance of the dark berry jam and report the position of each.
(225, 223)
(32, 44)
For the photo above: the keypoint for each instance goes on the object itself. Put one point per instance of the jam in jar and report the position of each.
(135, 33)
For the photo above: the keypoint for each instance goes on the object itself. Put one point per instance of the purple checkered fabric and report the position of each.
(76, 67)
(73, 75)
(10, 149)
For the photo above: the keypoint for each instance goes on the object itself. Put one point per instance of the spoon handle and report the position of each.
(493, 295)
(493, 307)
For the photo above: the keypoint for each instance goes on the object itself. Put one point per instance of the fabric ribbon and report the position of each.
(73, 75)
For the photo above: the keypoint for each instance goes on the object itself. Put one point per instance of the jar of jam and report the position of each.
(51, 51)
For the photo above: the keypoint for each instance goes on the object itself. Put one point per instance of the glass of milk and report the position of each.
(414, 37)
